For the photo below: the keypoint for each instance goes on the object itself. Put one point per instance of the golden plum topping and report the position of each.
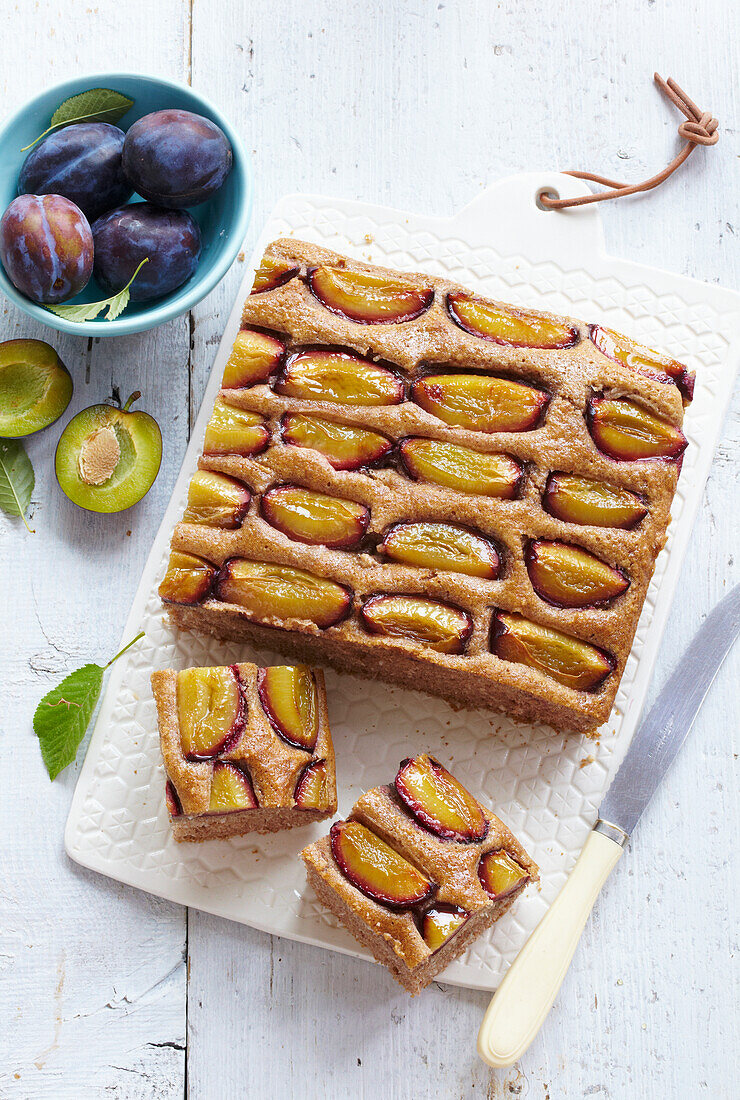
(480, 402)
(345, 447)
(580, 500)
(642, 359)
(437, 625)
(312, 789)
(267, 591)
(439, 801)
(368, 299)
(456, 467)
(216, 500)
(211, 711)
(271, 274)
(254, 357)
(290, 701)
(315, 518)
(569, 576)
(500, 874)
(340, 377)
(233, 431)
(627, 432)
(231, 789)
(188, 579)
(442, 546)
(568, 660)
(519, 328)
(375, 868)
(440, 922)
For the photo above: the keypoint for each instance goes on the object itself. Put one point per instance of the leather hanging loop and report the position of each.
(700, 128)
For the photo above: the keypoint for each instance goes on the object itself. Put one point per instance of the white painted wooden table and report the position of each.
(105, 991)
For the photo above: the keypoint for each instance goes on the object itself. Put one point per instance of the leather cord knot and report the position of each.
(699, 128)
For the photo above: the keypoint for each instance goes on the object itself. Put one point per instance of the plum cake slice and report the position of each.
(418, 870)
(412, 482)
(245, 749)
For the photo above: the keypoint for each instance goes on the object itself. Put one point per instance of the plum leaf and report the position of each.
(88, 311)
(64, 713)
(94, 105)
(16, 479)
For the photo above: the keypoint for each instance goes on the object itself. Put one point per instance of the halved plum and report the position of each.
(500, 874)
(480, 402)
(268, 591)
(569, 576)
(518, 328)
(368, 299)
(211, 711)
(461, 468)
(568, 660)
(442, 546)
(216, 500)
(642, 359)
(439, 626)
(254, 357)
(315, 518)
(35, 387)
(290, 700)
(440, 922)
(271, 274)
(439, 801)
(231, 789)
(107, 458)
(188, 579)
(590, 503)
(627, 432)
(172, 799)
(378, 870)
(341, 377)
(233, 431)
(311, 792)
(345, 447)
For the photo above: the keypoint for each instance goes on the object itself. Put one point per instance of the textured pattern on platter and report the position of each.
(545, 786)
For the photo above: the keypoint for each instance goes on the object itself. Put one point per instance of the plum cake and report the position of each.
(245, 749)
(418, 871)
(408, 481)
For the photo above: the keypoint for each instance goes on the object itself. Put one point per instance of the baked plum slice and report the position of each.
(231, 789)
(188, 580)
(290, 701)
(642, 359)
(211, 711)
(568, 660)
(172, 799)
(440, 922)
(35, 387)
(500, 874)
(439, 801)
(254, 357)
(233, 431)
(580, 500)
(271, 274)
(340, 377)
(315, 518)
(368, 299)
(461, 468)
(518, 328)
(311, 792)
(628, 432)
(268, 591)
(107, 458)
(480, 402)
(342, 445)
(436, 625)
(376, 869)
(216, 500)
(569, 576)
(442, 546)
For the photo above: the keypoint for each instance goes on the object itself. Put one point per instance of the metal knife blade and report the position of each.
(663, 731)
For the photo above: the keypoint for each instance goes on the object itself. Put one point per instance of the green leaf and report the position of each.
(16, 479)
(94, 105)
(88, 311)
(64, 713)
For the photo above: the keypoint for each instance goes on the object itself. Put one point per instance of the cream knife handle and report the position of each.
(524, 998)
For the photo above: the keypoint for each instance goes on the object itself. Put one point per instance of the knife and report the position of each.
(526, 995)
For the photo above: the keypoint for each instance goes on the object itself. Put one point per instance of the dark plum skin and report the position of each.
(124, 237)
(46, 247)
(176, 158)
(81, 162)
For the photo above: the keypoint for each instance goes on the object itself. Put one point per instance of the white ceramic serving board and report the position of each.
(546, 786)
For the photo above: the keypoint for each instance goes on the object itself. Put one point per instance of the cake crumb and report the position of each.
(587, 760)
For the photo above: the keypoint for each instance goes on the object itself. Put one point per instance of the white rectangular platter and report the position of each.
(546, 786)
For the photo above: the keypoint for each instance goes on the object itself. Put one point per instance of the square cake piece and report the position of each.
(418, 871)
(245, 749)
(411, 482)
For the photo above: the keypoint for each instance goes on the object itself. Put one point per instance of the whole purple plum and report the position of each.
(176, 158)
(169, 239)
(46, 247)
(81, 162)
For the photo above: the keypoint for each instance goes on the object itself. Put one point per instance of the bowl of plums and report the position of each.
(124, 199)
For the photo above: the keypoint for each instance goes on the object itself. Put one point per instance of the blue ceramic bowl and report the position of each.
(223, 219)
